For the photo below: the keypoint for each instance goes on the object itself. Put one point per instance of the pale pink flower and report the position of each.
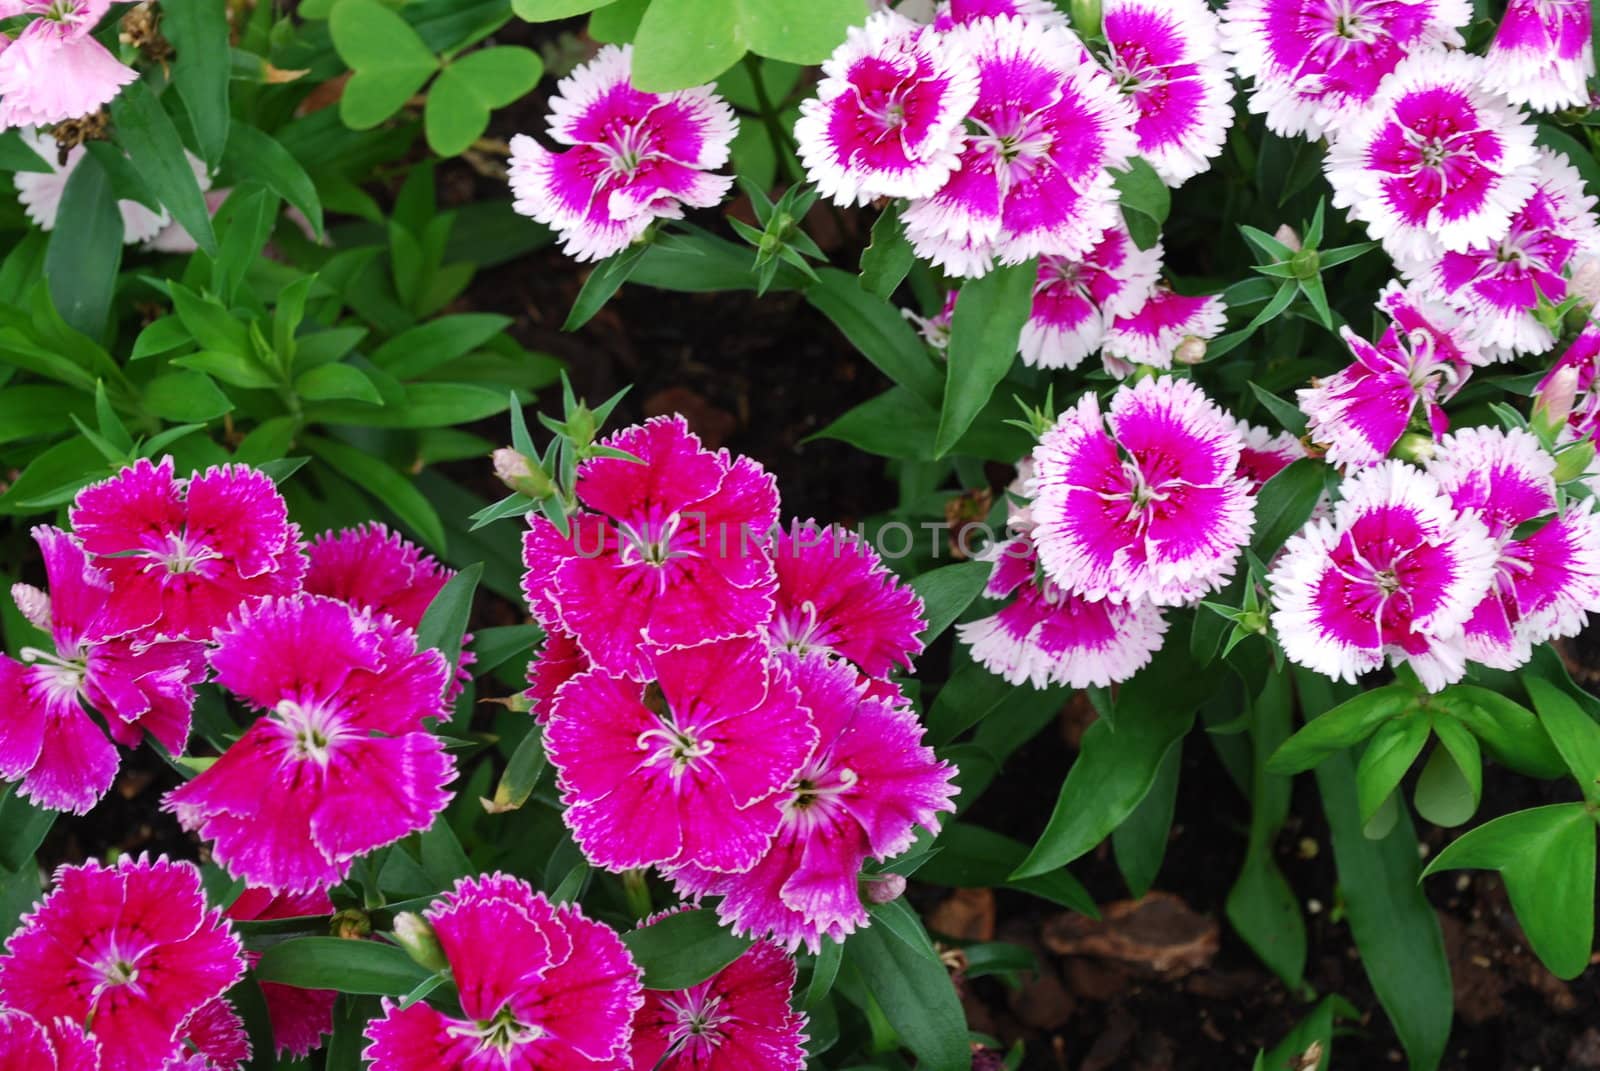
(1318, 63)
(1399, 383)
(1434, 161)
(129, 952)
(1047, 636)
(1141, 502)
(1583, 358)
(688, 769)
(1546, 583)
(863, 793)
(55, 70)
(1151, 334)
(27, 1044)
(633, 157)
(886, 120)
(1542, 54)
(739, 1019)
(952, 13)
(1396, 573)
(1033, 177)
(339, 763)
(542, 988)
(300, 1018)
(1167, 56)
(1075, 302)
(40, 191)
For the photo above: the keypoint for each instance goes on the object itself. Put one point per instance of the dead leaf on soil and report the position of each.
(1159, 933)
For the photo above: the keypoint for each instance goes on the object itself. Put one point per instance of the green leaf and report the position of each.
(251, 153)
(444, 623)
(1284, 504)
(332, 382)
(467, 90)
(424, 405)
(618, 21)
(684, 43)
(550, 10)
(1289, 416)
(23, 828)
(1546, 856)
(366, 967)
(1450, 786)
(799, 31)
(389, 60)
(147, 134)
(209, 322)
(1509, 730)
(683, 949)
(198, 29)
(915, 996)
(1140, 842)
(1314, 1028)
(971, 857)
(160, 336)
(34, 409)
(231, 368)
(1575, 734)
(1345, 725)
(1392, 750)
(188, 397)
(85, 250)
(983, 345)
(419, 350)
(522, 774)
(17, 155)
(946, 592)
(887, 261)
(877, 329)
(1145, 201)
(388, 486)
(604, 281)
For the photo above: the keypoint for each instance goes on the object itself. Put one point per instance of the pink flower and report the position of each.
(935, 329)
(340, 764)
(217, 1034)
(1151, 334)
(688, 769)
(1583, 357)
(836, 596)
(300, 1018)
(672, 554)
(1434, 161)
(886, 120)
(1360, 413)
(739, 1019)
(54, 70)
(553, 664)
(1545, 584)
(40, 192)
(1167, 55)
(1396, 573)
(130, 952)
(181, 555)
(1317, 63)
(47, 739)
(1497, 285)
(1033, 175)
(542, 987)
(1542, 54)
(1265, 454)
(862, 794)
(1046, 636)
(372, 568)
(634, 157)
(1075, 302)
(1151, 508)
(26, 1044)
(953, 13)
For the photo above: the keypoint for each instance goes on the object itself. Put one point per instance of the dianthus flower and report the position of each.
(217, 1037)
(300, 1018)
(688, 769)
(953, 13)
(633, 157)
(47, 739)
(180, 555)
(1583, 359)
(1360, 412)
(672, 553)
(1397, 572)
(1497, 285)
(886, 120)
(1434, 161)
(1075, 301)
(1545, 583)
(1152, 332)
(935, 329)
(835, 595)
(1033, 175)
(739, 1019)
(40, 191)
(863, 792)
(128, 952)
(542, 987)
(557, 661)
(1542, 54)
(1046, 636)
(372, 568)
(1167, 56)
(26, 1044)
(1151, 508)
(1317, 63)
(55, 70)
(1265, 454)
(341, 762)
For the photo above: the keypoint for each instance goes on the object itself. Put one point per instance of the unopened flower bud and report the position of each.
(1553, 404)
(1585, 282)
(1190, 351)
(1415, 447)
(351, 924)
(1306, 265)
(518, 472)
(1286, 234)
(413, 933)
(885, 888)
(1085, 16)
(1572, 462)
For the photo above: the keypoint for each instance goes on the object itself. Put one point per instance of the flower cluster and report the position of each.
(55, 70)
(715, 690)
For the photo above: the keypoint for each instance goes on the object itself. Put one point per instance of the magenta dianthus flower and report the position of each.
(1582, 359)
(55, 70)
(26, 1044)
(300, 1018)
(1542, 54)
(339, 763)
(543, 988)
(1151, 333)
(953, 13)
(1075, 301)
(556, 662)
(1265, 454)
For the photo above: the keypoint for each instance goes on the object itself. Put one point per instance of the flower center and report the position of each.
(64, 677)
(650, 543)
(181, 556)
(313, 730)
(1387, 580)
(814, 795)
(503, 1033)
(799, 631)
(627, 145)
(668, 742)
(699, 1020)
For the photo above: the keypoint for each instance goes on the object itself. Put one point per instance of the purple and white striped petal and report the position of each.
(1152, 333)
(1076, 301)
(1543, 54)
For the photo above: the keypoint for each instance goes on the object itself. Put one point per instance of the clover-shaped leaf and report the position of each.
(390, 62)
(468, 89)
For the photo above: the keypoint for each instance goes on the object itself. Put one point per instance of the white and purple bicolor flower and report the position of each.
(1151, 333)
(1075, 301)
(633, 157)
(1543, 54)
(1434, 162)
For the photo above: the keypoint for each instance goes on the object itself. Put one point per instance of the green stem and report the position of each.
(782, 143)
(637, 891)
